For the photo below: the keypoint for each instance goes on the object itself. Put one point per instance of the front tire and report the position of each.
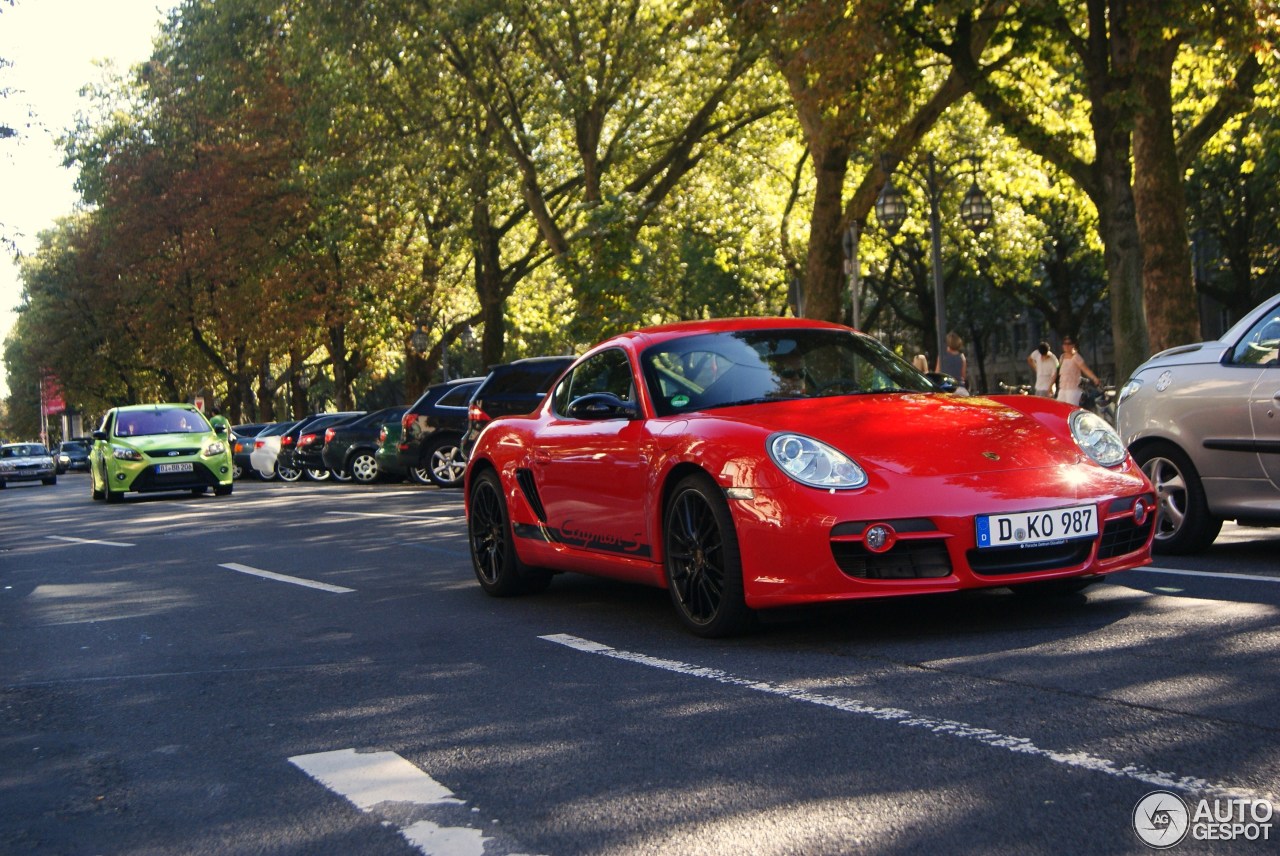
(446, 465)
(316, 474)
(493, 551)
(703, 565)
(363, 467)
(223, 490)
(1183, 522)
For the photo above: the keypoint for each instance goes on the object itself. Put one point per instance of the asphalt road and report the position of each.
(312, 669)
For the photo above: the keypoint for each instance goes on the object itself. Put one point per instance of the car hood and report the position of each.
(1187, 355)
(926, 434)
(162, 442)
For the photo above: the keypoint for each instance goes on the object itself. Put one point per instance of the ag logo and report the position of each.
(1161, 819)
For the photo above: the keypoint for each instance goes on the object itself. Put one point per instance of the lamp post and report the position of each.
(975, 212)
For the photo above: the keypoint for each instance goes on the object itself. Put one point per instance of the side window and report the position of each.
(457, 397)
(1261, 345)
(608, 371)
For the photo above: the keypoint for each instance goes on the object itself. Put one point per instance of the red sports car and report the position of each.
(752, 463)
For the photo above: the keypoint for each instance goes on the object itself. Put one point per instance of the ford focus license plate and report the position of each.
(1037, 528)
(174, 468)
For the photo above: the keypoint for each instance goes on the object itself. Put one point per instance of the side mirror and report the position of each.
(602, 405)
(99, 435)
(944, 382)
(220, 430)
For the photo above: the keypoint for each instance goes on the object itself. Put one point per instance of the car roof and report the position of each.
(134, 408)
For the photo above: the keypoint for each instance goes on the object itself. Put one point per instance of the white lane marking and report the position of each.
(371, 779)
(1210, 575)
(88, 541)
(354, 515)
(297, 581)
(1018, 745)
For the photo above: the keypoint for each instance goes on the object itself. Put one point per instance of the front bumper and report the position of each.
(799, 545)
(146, 476)
(30, 473)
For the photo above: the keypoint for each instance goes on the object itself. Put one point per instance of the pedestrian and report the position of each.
(1070, 369)
(952, 361)
(216, 418)
(1044, 365)
(921, 362)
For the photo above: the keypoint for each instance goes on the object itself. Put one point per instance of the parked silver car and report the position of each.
(1203, 421)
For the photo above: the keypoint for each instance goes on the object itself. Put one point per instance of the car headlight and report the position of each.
(215, 448)
(816, 464)
(7, 466)
(1128, 389)
(123, 453)
(1097, 438)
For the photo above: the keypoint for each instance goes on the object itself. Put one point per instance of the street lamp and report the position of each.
(975, 212)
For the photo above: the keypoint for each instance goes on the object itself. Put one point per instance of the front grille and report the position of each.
(916, 559)
(1024, 560)
(173, 453)
(1121, 536)
(149, 479)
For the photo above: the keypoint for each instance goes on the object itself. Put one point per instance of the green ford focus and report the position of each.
(159, 447)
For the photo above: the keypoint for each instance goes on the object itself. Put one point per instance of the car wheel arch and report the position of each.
(657, 514)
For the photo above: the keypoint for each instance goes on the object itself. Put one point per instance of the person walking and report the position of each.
(952, 361)
(1044, 365)
(1070, 370)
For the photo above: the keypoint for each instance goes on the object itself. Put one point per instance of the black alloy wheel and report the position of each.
(493, 553)
(703, 565)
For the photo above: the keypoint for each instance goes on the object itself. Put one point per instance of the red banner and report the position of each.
(51, 400)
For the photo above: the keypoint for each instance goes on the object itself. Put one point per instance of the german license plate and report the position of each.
(174, 468)
(1037, 528)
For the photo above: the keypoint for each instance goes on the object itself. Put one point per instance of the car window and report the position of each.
(608, 371)
(522, 377)
(145, 423)
(458, 396)
(1261, 345)
(747, 366)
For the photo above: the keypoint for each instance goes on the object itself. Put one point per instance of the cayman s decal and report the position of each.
(575, 535)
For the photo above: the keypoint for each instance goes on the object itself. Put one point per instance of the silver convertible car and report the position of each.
(1203, 422)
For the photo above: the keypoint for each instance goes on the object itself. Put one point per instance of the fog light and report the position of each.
(878, 537)
(1140, 511)
(119, 476)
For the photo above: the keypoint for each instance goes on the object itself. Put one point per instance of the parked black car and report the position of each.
(309, 431)
(511, 389)
(242, 446)
(76, 451)
(430, 448)
(349, 447)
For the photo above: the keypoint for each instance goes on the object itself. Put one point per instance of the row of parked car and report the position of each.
(426, 442)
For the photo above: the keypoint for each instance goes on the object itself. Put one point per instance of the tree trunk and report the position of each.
(1123, 253)
(1160, 204)
(824, 273)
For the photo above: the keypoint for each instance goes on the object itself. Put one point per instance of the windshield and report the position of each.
(142, 423)
(751, 366)
(27, 450)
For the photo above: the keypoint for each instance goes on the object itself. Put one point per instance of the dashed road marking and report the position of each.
(383, 783)
(1017, 745)
(1212, 575)
(297, 581)
(71, 540)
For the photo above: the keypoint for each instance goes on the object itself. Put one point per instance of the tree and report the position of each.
(1070, 94)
